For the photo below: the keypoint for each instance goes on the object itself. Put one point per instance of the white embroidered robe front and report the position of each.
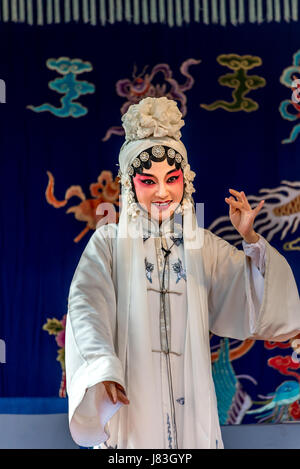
(240, 288)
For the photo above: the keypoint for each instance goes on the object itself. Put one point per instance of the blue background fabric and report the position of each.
(67, 83)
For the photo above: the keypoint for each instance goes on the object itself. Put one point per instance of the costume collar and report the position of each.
(168, 227)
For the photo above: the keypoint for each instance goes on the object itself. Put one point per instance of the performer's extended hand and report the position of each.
(242, 216)
(115, 392)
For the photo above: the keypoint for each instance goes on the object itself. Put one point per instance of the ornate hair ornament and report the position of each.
(158, 151)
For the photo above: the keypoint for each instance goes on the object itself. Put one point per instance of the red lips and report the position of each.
(164, 202)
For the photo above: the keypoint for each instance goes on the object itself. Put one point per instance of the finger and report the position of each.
(228, 199)
(118, 386)
(108, 390)
(121, 390)
(234, 203)
(111, 391)
(122, 397)
(245, 200)
(236, 193)
(231, 208)
(259, 207)
(114, 392)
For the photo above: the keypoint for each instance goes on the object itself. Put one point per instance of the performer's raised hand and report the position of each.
(242, 216)
(115, 392)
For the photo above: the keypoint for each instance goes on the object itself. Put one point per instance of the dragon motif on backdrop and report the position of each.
(142, 86)
(106, 189)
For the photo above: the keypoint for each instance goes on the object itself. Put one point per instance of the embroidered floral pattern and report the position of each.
(149, 269)
(179, 270)
(169, 431)
(180, 400)
(177, 241)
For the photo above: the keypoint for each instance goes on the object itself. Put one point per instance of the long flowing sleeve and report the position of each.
(257, 253)
(90, 343)
(241, 309)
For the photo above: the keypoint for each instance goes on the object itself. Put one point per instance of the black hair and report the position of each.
(147, 164)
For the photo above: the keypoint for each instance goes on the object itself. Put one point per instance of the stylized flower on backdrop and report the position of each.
(60, 337)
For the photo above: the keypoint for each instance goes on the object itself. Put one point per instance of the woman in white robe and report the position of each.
(140, 312)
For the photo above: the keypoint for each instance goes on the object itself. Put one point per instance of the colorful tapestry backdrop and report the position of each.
(70, 71)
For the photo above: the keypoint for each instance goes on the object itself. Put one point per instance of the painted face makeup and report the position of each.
(159, 189)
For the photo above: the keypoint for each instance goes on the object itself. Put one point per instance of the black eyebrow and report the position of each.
(151, 175)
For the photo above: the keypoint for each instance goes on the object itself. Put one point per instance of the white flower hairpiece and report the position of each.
(189, 176)
(157, 117)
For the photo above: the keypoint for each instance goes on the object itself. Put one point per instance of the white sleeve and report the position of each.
(90, 343)
(244, 304)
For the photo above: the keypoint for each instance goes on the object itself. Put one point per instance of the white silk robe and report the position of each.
(251, 294)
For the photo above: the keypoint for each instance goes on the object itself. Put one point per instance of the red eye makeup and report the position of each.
(144, 179)
(176, 176)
